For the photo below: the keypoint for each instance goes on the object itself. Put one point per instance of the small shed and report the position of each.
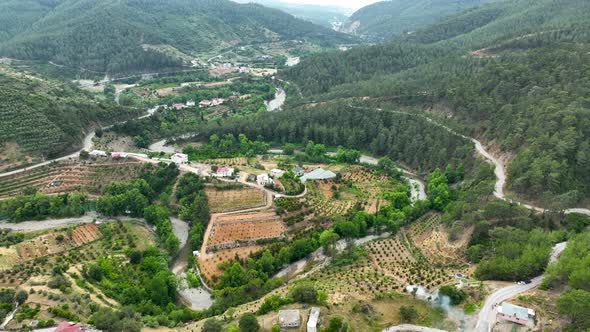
(314, 319)
(289, 318)
(298, 170)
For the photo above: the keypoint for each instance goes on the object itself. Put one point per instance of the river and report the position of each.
(197, 298)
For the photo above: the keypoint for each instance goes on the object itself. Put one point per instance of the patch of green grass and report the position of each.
(469, 308)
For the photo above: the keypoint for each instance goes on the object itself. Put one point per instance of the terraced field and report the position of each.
(224, 200)
(244, 229)
(50, 244)
(37, 257)
(357, 186)
(389, 265)
(237, 235)
(432, 239)
(69, 176)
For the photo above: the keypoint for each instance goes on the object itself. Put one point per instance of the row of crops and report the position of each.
(67, 177)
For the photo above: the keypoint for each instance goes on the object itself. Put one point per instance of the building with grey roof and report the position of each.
(516, 314)
(318, 174)
(289, 318)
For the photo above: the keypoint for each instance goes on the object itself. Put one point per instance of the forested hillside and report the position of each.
(524, 90)
(46, 118)
(387, 19)
(404, 138)
(114, 36)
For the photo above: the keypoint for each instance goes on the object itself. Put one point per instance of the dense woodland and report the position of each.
(403, 138)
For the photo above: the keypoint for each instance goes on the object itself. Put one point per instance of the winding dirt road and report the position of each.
(499, 167)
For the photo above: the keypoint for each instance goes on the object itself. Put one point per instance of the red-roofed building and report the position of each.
(178, 106)
(68, 327)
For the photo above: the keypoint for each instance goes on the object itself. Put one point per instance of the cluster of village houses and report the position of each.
(304, 174)
(202, 104)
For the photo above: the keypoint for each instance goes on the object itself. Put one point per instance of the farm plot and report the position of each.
(209, 265)
(69, 176)
(432, 239)
(393, 258)
(224, 200)
(388, 266)
(240, 230)
(58, 242)
(238, 235)
(357, 187)
(113, 238)
(325, 206)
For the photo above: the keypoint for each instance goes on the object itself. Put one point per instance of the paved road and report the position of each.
(487, 314)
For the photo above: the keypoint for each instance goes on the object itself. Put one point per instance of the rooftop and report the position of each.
(318, 174)
(289, 317)
(510, 309)
(314, 316)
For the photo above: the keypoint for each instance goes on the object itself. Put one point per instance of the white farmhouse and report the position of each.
(97, 153)
(263, 179)
(276, 173)
(224, 172)
(190, 103)
(179, 158)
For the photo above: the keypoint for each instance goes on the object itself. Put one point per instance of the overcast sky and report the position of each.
(355, 4)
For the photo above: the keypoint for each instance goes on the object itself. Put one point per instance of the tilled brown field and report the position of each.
(48, 244)
(234, 199)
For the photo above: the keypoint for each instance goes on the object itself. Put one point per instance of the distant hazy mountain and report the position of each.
(327, 16)
(128, 35)
(386, 19)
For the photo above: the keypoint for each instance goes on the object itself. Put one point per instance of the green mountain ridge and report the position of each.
(107, 36)
(513, 73)
(388, 19)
